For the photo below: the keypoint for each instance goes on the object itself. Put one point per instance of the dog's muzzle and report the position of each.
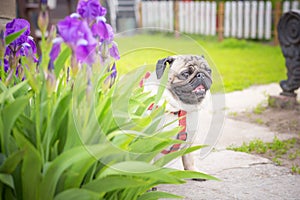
(193, 89)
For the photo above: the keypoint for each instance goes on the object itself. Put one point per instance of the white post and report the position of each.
(207, 18)
(240, 19)
(268, 21)
(202, 17)
(171, 15)
(213, 18)
(227, 19)
(163, 12)
(144, 14)
(181, 18)
(157, 14)
(197, 17)
(186, 17)
(261, 7)
(253, 18)
(247, 19)
(286, 6)
(192, 17)
(233, 19)
(295, 5)
(150, 13)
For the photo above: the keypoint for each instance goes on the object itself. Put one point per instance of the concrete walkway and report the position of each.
(243, 176)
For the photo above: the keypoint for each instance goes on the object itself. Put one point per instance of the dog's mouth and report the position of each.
(200, 90)
(200, 84)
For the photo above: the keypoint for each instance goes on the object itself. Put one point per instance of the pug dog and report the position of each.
(189, 80)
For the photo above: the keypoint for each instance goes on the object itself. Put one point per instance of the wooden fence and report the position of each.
(248, 19)
(198, 17)
(288, 5)
(238, 19)
(159, 14)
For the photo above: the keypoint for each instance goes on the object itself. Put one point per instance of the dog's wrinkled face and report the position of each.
(189, 77)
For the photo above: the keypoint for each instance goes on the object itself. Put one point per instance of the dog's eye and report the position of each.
(185, 74)
(209, 70)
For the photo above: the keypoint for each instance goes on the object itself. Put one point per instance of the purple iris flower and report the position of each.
(44, 2)
(6, 65)
(78, 35)
(113, 71)
(86, 33)
(2, 47)
(2, 42)
(55, 49)
(112, 77)
(67, 29)
(16, 25)
(100, 29)
(85, 53)
(90, 9)
(24, 45)
(103, 30)
(114, 52)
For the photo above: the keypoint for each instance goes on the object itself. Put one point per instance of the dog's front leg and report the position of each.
(188, 162)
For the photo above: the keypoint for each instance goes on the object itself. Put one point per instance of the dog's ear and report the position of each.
(161, 66)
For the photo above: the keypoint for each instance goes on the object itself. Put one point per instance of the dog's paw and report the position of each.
(193, 168)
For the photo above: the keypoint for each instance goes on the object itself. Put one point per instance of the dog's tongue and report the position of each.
(200, 88)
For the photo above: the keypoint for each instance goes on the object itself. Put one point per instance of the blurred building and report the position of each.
(58, 9)
(7, 12)
(121, 14)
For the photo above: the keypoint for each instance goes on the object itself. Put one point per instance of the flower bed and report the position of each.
(69, 129)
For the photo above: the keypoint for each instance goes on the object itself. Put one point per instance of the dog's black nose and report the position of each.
(201, 75)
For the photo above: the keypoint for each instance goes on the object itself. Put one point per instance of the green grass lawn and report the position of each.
(236, 64)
